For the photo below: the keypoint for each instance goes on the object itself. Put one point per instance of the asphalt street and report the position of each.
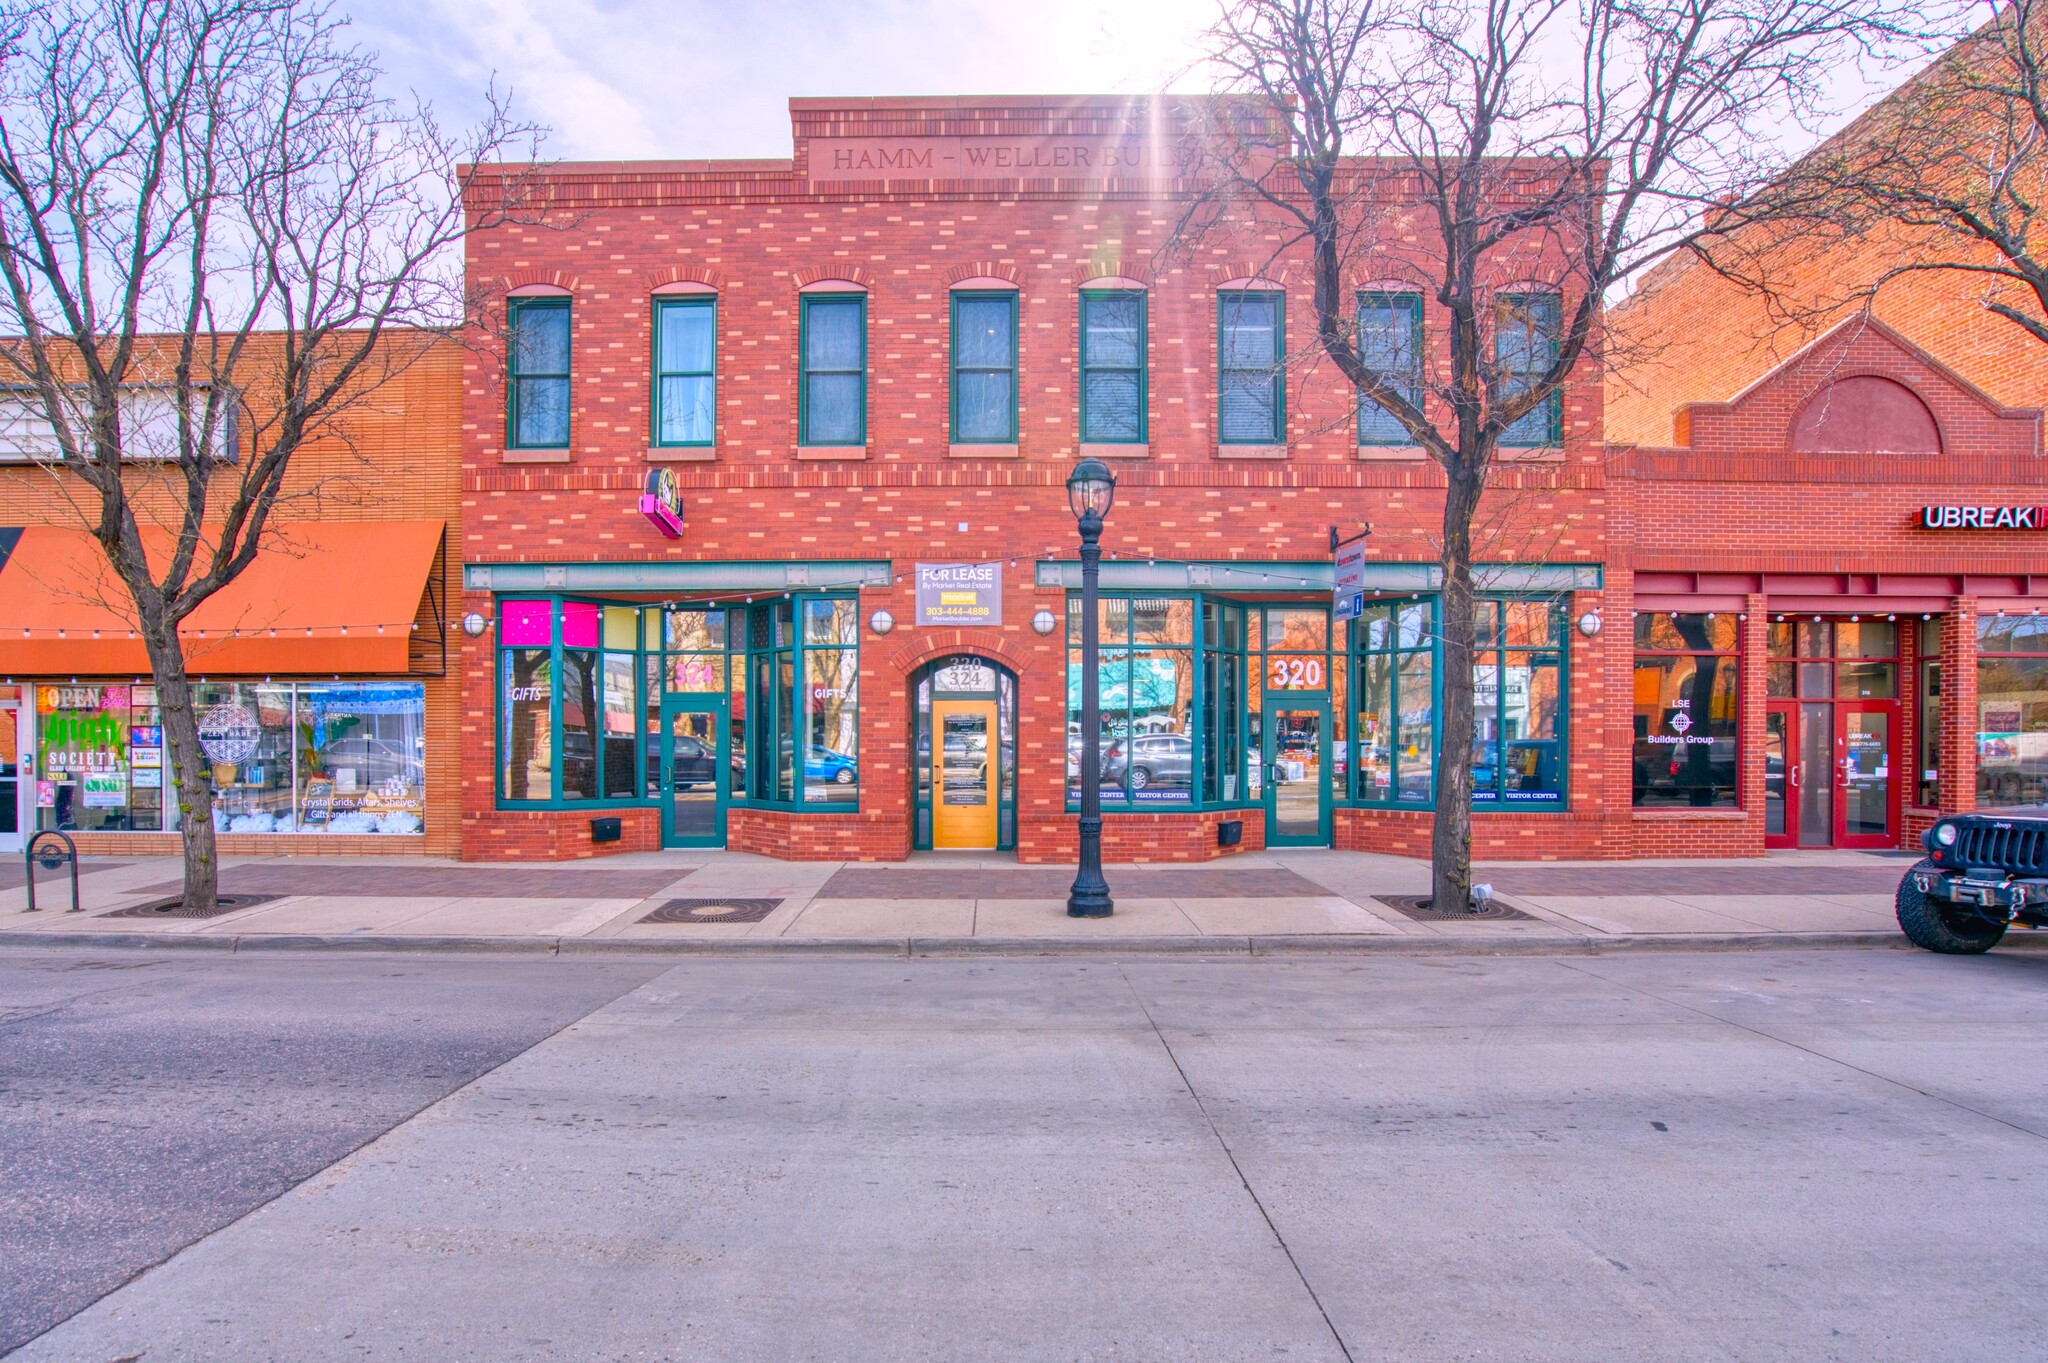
(147, 1099)
(1741, 1156)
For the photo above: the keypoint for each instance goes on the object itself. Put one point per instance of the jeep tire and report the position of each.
(1940, 926)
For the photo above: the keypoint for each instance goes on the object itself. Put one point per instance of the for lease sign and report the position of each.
(1984, 517)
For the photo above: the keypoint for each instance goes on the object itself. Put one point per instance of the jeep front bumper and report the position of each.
(2018, 900)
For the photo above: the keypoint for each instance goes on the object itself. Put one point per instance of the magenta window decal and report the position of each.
(580, 621)
(524, 624)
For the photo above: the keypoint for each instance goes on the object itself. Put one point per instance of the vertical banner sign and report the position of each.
(1348, 596)
(959, 593)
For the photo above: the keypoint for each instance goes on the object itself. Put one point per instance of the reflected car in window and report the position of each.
(824, 764)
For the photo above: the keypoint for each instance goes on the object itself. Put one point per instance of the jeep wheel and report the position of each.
(1940, 926)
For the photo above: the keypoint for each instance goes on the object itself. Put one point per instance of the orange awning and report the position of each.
(323, 597)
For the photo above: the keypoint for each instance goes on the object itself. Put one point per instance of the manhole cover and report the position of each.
(1417, 906)
(713, 911)
(175, 907)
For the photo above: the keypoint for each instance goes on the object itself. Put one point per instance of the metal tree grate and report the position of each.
(1418, 907)
(713, 911)
(175, 907)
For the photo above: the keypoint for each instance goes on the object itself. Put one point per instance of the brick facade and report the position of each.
(394, 459)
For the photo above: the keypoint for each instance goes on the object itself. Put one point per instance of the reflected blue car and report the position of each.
(823, 764)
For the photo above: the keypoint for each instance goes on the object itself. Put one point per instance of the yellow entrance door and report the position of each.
(964, 773)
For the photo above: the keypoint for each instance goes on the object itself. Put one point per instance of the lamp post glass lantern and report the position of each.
(1091, 488)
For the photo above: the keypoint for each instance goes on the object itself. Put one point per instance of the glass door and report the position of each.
(11, 783)
(963, 777)
(695, 767)
(1781, 775)
(1297, 790)
(1866, 803)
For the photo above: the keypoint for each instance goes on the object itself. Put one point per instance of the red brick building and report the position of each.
(740, 411)
(1855, 472)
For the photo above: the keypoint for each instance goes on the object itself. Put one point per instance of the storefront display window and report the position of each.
(1928, 792)
(1518, 751)
(831, 764)
(1397, 702)
(304, 757)
(1146, 699)
(2012, 711)
(1686, 710)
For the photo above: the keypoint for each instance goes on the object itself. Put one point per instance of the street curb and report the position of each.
(731, 946)
(1278, 945)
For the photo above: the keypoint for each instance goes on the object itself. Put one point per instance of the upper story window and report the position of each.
(984, 368)
(1525, 339)
(1390, 341)
(685, 370)
(1113, 367)
(833, 390)
(1251, 405)
(537, 398)
(149, 425)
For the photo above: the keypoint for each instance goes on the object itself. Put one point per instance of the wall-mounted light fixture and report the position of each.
(474, 625)
(1045, 622)
(881, 622)
(1589, 624)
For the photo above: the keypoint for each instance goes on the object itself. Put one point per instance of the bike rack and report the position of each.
(51, 860)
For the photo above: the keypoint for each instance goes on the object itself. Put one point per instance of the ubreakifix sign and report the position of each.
(1984, 518)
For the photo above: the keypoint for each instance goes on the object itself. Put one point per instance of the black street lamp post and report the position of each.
(1091, 487)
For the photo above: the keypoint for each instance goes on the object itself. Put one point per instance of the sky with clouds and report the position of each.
(670, 79)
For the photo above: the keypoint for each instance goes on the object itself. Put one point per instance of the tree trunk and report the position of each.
(188, 764)
(1450, 843)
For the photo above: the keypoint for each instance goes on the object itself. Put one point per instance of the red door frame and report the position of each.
(1843, 710)
(1790, 710)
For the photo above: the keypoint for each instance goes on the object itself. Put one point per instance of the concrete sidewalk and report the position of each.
(716, 902)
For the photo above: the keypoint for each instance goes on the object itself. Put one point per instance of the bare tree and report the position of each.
(212, 229)
(1947, 176)
(1510, 161)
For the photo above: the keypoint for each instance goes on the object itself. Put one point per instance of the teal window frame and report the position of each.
(661, 370)
(1490, 645)
(1362, 650)
(555, 649)
(955, 369)
(776, 662)
(1390, 432)
(1543, 426)
(1089, 299)
(1276, 373)
(1207, 654)
(805, 303)
(515, 374)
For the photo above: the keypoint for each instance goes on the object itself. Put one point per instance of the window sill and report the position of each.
(534, 457)
(1408, 454)
(682, 454)
(957, 451)
(1133, 451)
(1532, 454)
(809, 452)
(1660, 815)
(1251, 451)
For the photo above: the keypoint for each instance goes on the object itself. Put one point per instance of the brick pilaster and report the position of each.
(1959, 707)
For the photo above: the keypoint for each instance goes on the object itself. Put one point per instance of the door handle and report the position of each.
(1794, 770)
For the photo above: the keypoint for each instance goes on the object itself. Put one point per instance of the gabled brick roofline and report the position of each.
(1871, 323)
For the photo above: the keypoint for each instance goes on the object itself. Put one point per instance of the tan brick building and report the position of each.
(328, 703)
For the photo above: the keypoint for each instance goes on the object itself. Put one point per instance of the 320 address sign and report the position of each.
(1295, 674)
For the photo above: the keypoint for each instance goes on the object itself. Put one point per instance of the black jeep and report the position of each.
(1982, 874)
